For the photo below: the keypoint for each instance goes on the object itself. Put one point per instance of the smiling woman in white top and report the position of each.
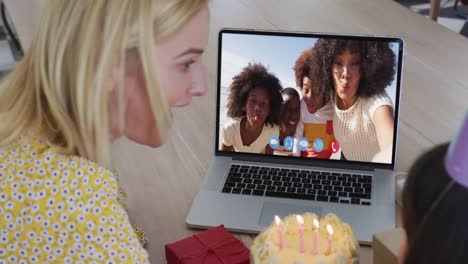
(254, 105)
(358, 72)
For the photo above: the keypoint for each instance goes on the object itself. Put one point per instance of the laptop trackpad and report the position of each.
(270, 209)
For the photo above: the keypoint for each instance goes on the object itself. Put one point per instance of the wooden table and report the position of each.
(161, 183)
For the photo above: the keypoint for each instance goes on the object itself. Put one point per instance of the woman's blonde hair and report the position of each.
(62, 84)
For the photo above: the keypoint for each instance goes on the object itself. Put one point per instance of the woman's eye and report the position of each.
(186, 66)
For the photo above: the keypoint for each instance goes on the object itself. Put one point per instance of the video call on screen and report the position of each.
(319, 98)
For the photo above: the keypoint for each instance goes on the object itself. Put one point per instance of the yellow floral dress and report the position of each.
(61, 209)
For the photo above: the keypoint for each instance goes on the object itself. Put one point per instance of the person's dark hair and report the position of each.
(439, 235)
(255, 75)
(377, 64)
(302, 67)
(290, 91)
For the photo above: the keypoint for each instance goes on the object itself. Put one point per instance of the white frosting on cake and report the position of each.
(265, 248)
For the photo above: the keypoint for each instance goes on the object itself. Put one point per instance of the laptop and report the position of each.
(244, 190)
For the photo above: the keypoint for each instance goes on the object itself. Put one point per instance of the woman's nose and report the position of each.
(199, 87)
(346, 73)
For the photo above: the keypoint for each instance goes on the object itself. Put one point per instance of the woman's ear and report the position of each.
(403, 249)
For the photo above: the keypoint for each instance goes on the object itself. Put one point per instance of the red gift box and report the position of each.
(212, 246)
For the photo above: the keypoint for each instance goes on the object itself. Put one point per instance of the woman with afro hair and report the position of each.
(254, 105)
(357, 74)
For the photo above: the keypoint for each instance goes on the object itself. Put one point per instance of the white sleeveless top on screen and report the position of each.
(231, 136)
(354, 128)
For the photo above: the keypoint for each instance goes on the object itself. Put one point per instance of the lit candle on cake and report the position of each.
(300, 221)
(316, 236)
(330, 238)
(280, 231)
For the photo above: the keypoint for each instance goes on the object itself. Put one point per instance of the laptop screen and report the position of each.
(309, 96)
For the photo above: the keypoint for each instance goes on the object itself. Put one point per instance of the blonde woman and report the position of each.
(96, 71)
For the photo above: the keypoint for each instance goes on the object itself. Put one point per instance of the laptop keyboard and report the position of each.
(311, 185)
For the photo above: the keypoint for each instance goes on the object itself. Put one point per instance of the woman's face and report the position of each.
(257, 107)
(181, 75)
(290, 113)
(312, 98)
(346, 72)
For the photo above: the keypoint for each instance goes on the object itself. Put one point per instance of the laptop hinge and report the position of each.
(333, 164)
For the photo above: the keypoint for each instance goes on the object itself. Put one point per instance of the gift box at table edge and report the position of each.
(215, 245)
(386, 246)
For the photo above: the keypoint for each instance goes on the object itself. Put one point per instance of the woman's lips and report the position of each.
(345, 87)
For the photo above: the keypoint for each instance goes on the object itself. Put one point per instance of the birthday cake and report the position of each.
(306, 239)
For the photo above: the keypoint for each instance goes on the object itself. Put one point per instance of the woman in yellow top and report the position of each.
(96, 71)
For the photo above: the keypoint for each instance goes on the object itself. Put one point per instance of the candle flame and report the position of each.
(330, 230)
(316, 223)
(299, 219)
(277, 220)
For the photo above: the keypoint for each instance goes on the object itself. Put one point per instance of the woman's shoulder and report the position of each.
(232, 123)
(271, 128)
(327, 110)
(383, 96)
(36, 157)
(67, 193)
(82, 168)
(322, 115)
(377, 100)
